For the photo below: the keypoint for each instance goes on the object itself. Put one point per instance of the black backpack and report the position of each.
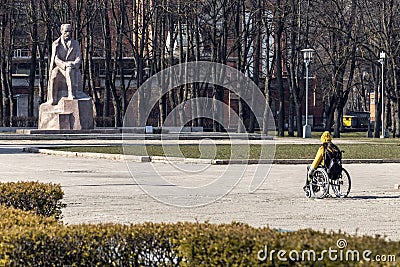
(333, 161)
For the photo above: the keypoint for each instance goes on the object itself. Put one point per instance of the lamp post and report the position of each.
(382, 56)
(307, 54)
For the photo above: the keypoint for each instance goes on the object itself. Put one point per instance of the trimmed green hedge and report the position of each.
(38, 241)
(42, 198)
(27, 238)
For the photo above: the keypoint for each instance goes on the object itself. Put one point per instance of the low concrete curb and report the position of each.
(302, 161)
(88, 155)
(182, 160)
(193, 160)
(114, 135)
(244, 161)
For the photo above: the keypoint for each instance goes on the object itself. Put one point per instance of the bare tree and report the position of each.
(297, 40)
(105, 19)
(389, 40)
(33, 23)
(279, 28)
(9, 13)
(269, 66)
(336, 50)
(91, 14)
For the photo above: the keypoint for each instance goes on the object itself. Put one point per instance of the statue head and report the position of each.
(66, 31)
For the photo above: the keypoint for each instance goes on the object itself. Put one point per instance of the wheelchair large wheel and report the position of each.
(341, 186)
(319, 185)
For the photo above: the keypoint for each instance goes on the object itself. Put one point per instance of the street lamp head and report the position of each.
(307, 54)
(382, 55)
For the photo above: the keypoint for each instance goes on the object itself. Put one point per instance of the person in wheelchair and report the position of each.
(321, 157)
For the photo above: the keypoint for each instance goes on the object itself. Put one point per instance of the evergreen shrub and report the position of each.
(42, 198)
(32, 235)
(46, 242)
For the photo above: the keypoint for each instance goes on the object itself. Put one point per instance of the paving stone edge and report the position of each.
(192, 160)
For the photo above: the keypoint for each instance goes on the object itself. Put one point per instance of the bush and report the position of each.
(42, 198)
(54, 244)
(159, 244)
(16, 224)
(27, 238)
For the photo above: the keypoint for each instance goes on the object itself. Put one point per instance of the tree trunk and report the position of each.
(338, 120)
(378, 99)
(119, 99)
(393, 109)
(32, 76)
(240, 33)
(2, 67)
(296, 92)
(266, 115)
(291, 116)
(33, 59)
(397, 117)
(257, 61)
(4, 72)
(42, 76)
(279, 79)
(107, 60)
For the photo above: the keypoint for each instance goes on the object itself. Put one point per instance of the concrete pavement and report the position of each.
(102, 190)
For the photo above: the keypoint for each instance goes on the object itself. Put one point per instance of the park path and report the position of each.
(100, 190)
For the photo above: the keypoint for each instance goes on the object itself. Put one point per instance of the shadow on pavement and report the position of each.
(374, 197)
(11, 150)
(93, 185)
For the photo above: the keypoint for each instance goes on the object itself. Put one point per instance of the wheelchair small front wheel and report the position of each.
(319, 184)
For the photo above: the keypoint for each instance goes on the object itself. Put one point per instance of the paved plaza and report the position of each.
(102, 190)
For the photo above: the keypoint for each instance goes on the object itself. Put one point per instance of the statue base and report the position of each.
(68, 114)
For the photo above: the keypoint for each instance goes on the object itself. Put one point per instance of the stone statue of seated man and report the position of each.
(65, 79)
(67, 106)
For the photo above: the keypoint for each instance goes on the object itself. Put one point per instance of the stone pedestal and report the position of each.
(75, 114)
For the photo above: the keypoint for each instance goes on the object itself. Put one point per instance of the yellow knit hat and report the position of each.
(326, 137)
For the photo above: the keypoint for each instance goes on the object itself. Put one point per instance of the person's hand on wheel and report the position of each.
(310, 174)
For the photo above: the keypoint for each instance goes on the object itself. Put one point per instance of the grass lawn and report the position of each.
(381, 150)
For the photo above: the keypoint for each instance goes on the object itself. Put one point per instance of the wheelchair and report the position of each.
(321, 183)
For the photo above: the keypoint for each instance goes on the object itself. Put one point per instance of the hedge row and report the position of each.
(38, 241)
(42, 198)
(27, 238)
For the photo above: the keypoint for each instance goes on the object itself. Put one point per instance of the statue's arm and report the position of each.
(59, 63)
